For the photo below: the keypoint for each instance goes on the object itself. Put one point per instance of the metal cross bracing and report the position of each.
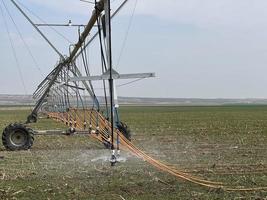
(69, 85)
(60, 96)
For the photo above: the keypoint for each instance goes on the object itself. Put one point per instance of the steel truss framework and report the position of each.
(59, 96)
(62, 88)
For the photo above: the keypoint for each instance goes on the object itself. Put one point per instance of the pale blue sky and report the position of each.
(198, 48)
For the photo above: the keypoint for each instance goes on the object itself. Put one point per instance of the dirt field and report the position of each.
(227, 143)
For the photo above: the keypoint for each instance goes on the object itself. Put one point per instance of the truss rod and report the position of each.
(38, 30)
(97, 11)
(95, 35)
(92, 94)
(65, 62)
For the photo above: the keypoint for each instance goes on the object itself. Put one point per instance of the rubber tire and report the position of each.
(125, 130)
(11, 128)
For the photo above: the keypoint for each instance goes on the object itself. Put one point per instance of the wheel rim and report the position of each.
(18, 138)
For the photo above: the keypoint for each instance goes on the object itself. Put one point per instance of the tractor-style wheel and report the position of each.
(124, 129)
(17, 137)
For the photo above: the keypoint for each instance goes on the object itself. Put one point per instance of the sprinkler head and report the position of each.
(97, 130)
(113, 159)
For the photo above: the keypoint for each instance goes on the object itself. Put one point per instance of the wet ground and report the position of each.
(217, 143)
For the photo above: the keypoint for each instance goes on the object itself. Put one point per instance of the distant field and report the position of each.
(222, 143)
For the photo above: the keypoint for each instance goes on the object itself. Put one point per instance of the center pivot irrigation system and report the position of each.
(65, 89)
(64, 96)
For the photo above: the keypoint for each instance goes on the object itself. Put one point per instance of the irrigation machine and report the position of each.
(62, 94)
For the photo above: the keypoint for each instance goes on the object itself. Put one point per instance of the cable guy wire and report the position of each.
(23, 40)
(14, 51)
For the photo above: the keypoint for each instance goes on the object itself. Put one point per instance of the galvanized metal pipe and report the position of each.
(65, 62)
